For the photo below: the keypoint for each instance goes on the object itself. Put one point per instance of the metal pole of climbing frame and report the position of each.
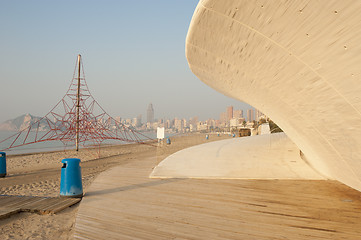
(77, 108)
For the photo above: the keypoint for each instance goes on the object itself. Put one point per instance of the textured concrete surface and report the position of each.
(271, 156)
(298, 61)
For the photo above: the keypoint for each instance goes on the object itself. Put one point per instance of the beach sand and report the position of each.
(39, 175)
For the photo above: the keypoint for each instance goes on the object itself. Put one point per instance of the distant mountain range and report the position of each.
(21, 123)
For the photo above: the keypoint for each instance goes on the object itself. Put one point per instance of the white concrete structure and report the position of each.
(271, 156)
(264, 129)
(299, 62)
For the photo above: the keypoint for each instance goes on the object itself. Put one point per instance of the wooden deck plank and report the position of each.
(29, 205)
(43, 205)
(123, 203)
(62, 205)
(8, 201)
(47, 202)
(5, 213)
(34, 207)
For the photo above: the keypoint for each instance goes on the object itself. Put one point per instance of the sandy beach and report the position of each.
(39, 175)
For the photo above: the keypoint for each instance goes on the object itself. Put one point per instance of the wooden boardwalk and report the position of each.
(123, 203)
(10, 205)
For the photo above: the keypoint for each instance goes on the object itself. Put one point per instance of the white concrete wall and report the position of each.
(265, 129)
(299, 62)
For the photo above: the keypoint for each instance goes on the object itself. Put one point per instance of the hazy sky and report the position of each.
(133, 54)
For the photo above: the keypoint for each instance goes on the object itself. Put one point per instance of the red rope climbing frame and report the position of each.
(93, 124)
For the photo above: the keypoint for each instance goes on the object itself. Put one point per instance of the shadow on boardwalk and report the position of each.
(132, 187)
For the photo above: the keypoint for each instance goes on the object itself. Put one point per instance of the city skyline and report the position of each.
(230, 117)
(133, 54)
(230, 113)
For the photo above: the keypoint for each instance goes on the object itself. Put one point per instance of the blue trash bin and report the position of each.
(71, 182)
(2, 164)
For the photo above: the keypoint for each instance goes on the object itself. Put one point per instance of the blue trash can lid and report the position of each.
(70, 160)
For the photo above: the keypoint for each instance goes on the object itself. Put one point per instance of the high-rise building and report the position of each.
(258, 114)
(109, 121)
(150, 113)
(118, 119)
(211, 123)
(139, 120)
(223, 118)
(167, 124)
(250, 115)
(135, 122)
(238, 114)
(185, 123)
(178, 124)
(193, 121)
(229, 113)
